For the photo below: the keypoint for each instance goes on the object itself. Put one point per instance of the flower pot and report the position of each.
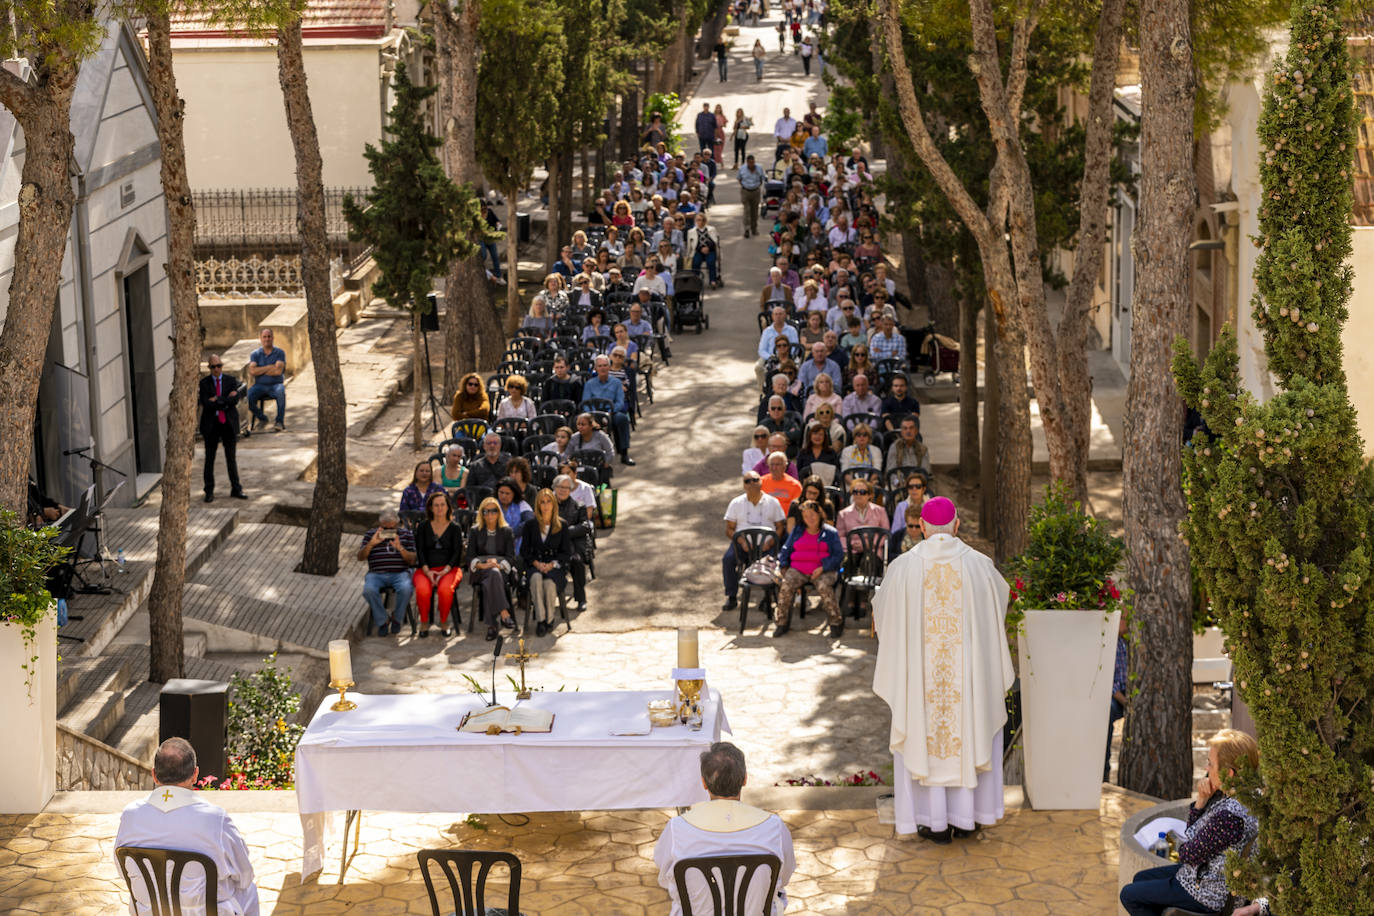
(28, 718)
(1067, 661)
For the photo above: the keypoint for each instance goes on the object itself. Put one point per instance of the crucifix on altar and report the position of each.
(522, 656)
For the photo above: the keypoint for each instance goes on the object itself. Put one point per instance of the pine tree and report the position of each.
(416, 219)
(1279, 494)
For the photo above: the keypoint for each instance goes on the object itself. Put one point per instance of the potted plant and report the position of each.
(1064, 616)
(28, 666)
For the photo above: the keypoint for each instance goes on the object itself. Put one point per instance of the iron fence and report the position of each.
(262, 222)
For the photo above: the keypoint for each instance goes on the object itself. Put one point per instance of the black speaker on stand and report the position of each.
(199, 712)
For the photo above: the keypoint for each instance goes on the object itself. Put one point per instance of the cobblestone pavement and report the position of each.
(602, 863)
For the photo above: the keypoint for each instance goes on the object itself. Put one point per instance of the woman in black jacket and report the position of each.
(439, 552)
(491, 560)
(546, 550)
(578, 521)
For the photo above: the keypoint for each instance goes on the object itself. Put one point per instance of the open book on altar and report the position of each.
(500, 719)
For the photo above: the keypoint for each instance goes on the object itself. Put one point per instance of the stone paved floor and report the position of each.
(601, 863)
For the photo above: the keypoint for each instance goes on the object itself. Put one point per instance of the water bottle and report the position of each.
(1160, 847)
(120, 561)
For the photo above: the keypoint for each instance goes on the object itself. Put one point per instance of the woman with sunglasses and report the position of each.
(754, 452)
(825, 415)
(491, 552)
(438, 550)
(813, 490)
(470, 400)
(908, 530)
(862, 454)
(861, 512)
(917, 492)
(546, 553)
(515, 405)
(859, 364)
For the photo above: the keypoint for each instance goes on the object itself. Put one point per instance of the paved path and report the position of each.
(661, 567)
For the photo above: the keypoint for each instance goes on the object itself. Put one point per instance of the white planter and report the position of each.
(28, 719)
(1210, 662)
(1067, 661)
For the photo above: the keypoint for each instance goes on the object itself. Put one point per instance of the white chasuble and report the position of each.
(943, 663)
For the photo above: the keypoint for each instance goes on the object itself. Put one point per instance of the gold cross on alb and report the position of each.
(166, 794)
(522, 656)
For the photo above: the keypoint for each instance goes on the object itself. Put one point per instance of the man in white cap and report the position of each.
(944, 668)
(175, 816)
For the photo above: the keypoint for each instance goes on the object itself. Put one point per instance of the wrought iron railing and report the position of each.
(248, 242)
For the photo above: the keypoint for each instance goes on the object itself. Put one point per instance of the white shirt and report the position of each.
(766, 513)
(584, 495)
(785, 128)
(172, 817)
(653, 283)
(751, 457)
(682, 838)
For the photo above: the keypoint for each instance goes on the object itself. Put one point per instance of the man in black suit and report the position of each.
(219, 424)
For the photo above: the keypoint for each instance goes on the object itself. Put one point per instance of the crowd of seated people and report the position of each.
(838, 437)
(510, 497)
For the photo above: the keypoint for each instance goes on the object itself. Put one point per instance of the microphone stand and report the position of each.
(500, 639)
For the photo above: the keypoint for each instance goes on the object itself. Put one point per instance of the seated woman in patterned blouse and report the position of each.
(422, 484)
(1217, 824)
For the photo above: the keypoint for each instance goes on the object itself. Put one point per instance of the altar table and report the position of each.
(403, 752)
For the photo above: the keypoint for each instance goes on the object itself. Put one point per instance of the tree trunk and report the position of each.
(552, 241)
(968, 393)
(1094, 195)
(629, 122)
(1013, 457)
(45, 215)
(1156, 756)
(987, 470)
(472, 330)
(512, 259)
(322, 536)
(565, 197)
(165, 639)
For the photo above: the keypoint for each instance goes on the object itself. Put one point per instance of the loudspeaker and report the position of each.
(429, 321)
(199, 712)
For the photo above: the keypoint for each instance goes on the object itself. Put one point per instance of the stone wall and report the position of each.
(84, 764)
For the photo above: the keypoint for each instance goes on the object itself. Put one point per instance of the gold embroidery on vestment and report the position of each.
(944, 658)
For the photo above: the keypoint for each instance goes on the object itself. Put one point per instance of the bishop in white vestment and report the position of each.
(944, 668)
(174, 816)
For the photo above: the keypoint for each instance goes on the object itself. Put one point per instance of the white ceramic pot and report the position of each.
(1067, 661)
(28, 719)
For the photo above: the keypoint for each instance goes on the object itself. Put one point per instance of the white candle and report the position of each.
(340, 664)
(687, 655)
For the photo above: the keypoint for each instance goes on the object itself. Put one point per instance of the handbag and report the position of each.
(764, 571)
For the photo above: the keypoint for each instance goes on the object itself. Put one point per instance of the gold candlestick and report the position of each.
(344, 703)
(522, 656)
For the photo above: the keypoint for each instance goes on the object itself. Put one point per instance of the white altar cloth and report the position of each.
(403, 752)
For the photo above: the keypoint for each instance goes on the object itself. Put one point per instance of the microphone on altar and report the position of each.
(500, 639)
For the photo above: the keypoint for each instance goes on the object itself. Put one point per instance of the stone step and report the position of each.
(136, 733)
(96, 714)
(79, 678)
(232, 623)
(195, 643)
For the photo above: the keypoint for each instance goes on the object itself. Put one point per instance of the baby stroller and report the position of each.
(938, 354)
(687, 307)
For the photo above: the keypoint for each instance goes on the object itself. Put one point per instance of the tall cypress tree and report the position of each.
(1279, 515)
(416, 218)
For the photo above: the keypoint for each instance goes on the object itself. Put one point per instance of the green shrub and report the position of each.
(262, 738)
(27, 555)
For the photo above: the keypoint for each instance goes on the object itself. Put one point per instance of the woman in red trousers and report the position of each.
(438, 548)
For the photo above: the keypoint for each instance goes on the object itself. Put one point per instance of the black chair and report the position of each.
(515, 427)
(542, 475)
(752, 545)
(466, 890)
(560, 406)
(592, 458)
(872, 420)
(864, 563)
(533, 443)
(728, 879)
(163, 888)
(388, 602)
(476, 494)
(547, 423)
(896, 477)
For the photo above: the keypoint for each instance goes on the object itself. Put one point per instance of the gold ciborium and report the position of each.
(690, 682)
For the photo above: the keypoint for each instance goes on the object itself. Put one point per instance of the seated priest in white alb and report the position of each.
(944, 669)
(724, 826)
(175, 816)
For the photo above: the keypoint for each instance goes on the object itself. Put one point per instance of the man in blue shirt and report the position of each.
(769, 338)
(819, 362)
(603, 386)
(267, 368)
(815, 144)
